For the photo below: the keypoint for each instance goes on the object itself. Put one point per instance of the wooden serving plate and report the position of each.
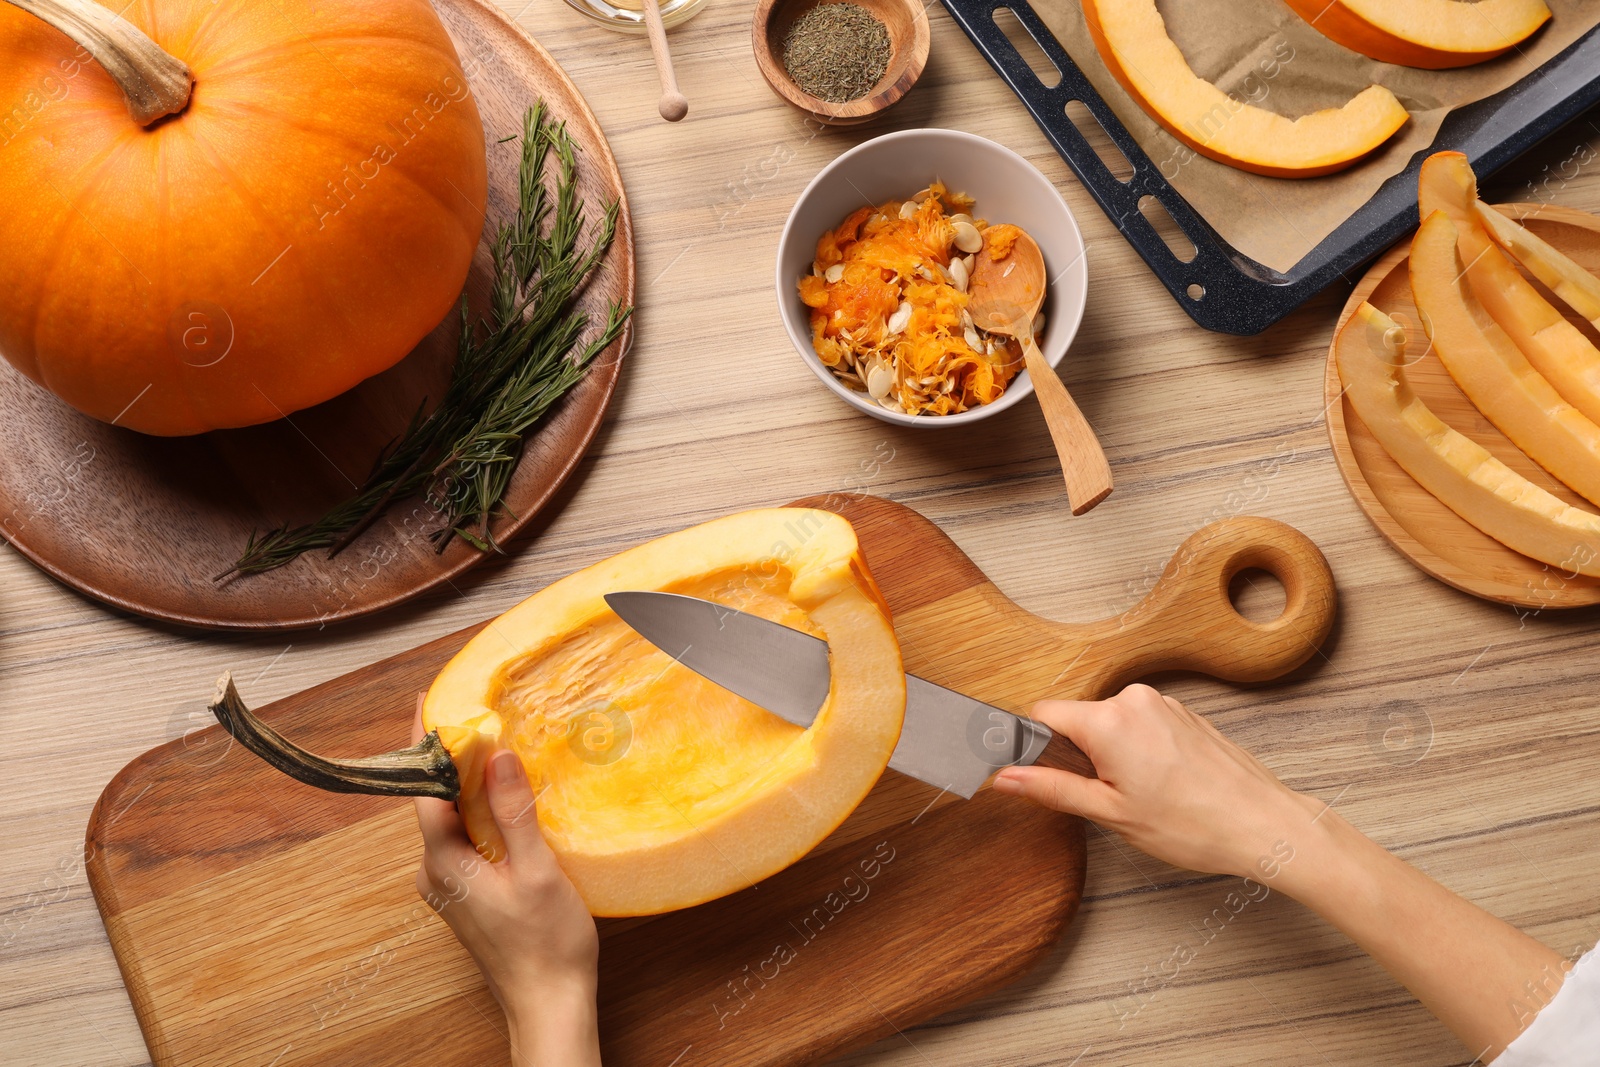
(257, 920)
(142, 523)
(1425, 531)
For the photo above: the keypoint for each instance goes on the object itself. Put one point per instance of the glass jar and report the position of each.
(627, 19)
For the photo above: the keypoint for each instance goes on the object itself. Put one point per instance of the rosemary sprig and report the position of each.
(511, 368)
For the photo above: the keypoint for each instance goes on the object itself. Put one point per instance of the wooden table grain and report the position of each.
(1459, 733)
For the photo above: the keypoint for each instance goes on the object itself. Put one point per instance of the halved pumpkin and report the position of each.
(1492, 371)
(1370, 351)
(1554, 347)
(1432, 34)
(712, 794)
(1133, 41)
(656, 789)
(1578, 288)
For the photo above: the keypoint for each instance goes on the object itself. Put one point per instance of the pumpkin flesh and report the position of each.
(1571, 283)
(1461, 473)
(1492, 371)
(1553, 346)
(658, 789)
(300, 226)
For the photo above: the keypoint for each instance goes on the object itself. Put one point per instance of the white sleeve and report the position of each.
(1567, 1032)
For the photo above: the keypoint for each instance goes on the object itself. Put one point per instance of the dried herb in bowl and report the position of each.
(837, 52)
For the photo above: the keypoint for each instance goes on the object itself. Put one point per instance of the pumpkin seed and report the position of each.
(908, 209)
(833, 273)
(958, 274)
(901, 318)
(974, 342)
(960, 217)
(971, 262)
(879, 381)
(889, 403)
(966, 319)
(968, 239)
(922, 269)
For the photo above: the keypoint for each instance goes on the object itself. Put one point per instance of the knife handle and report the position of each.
(1062, 755)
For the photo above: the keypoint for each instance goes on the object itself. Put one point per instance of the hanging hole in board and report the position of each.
(1027, 47)
(1258, 595)
(1166, 228)
(1196, 291)
(1099, 140)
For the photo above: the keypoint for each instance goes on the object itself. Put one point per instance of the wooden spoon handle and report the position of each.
(674, 105)
(1083, 461)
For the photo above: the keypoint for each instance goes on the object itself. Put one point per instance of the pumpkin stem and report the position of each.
(155, 83)
(423, 770)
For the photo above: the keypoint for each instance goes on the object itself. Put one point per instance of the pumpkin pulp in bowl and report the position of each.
(657, 789)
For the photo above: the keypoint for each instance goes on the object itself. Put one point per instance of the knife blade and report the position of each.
(949, 739)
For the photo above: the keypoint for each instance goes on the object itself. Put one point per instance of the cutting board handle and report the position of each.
(1188, 621)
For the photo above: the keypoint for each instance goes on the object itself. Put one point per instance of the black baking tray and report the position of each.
(1235, 294)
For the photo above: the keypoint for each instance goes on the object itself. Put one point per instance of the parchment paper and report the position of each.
(1263, 53)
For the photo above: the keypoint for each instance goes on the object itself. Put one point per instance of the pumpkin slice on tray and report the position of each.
(1461, 473)
(1555, 348)
(658, 790)
(1133, 41)
(1492, 371)
(1576, 287)
(1432, 34)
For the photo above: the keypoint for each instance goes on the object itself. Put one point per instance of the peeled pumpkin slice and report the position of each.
(1492, 371)
(1133, 41)
(656, 789)
(1432, 34)
(1461, 473)
(1577, 287)
(1556, 349)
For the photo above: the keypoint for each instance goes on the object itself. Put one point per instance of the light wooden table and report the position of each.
(1460, 734)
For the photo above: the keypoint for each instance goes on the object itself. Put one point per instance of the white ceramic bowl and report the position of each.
(1006, 188)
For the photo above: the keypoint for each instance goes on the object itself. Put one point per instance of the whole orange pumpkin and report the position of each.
(306, 216)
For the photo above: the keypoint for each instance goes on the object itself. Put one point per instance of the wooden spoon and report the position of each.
(1004, 297)
(674, 105)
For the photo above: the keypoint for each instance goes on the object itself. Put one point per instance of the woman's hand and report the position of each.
(521, 919)
(1179, 790)
(1169, 783)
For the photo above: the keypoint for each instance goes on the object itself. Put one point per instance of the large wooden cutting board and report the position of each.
(259, 921)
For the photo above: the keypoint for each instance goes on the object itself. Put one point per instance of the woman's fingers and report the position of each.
(442, 831)
(1080, 721)
(1058, 790)
(441, 826)
(512, 804)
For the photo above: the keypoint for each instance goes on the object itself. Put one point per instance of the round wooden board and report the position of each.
(1429, 534)
(142, 523)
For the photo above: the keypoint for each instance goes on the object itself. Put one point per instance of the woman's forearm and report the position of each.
(555, 1028)
(1481, 977)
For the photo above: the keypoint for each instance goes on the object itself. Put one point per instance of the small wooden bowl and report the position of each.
(907, 23)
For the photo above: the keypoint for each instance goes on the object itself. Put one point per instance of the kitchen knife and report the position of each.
(949, 740)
